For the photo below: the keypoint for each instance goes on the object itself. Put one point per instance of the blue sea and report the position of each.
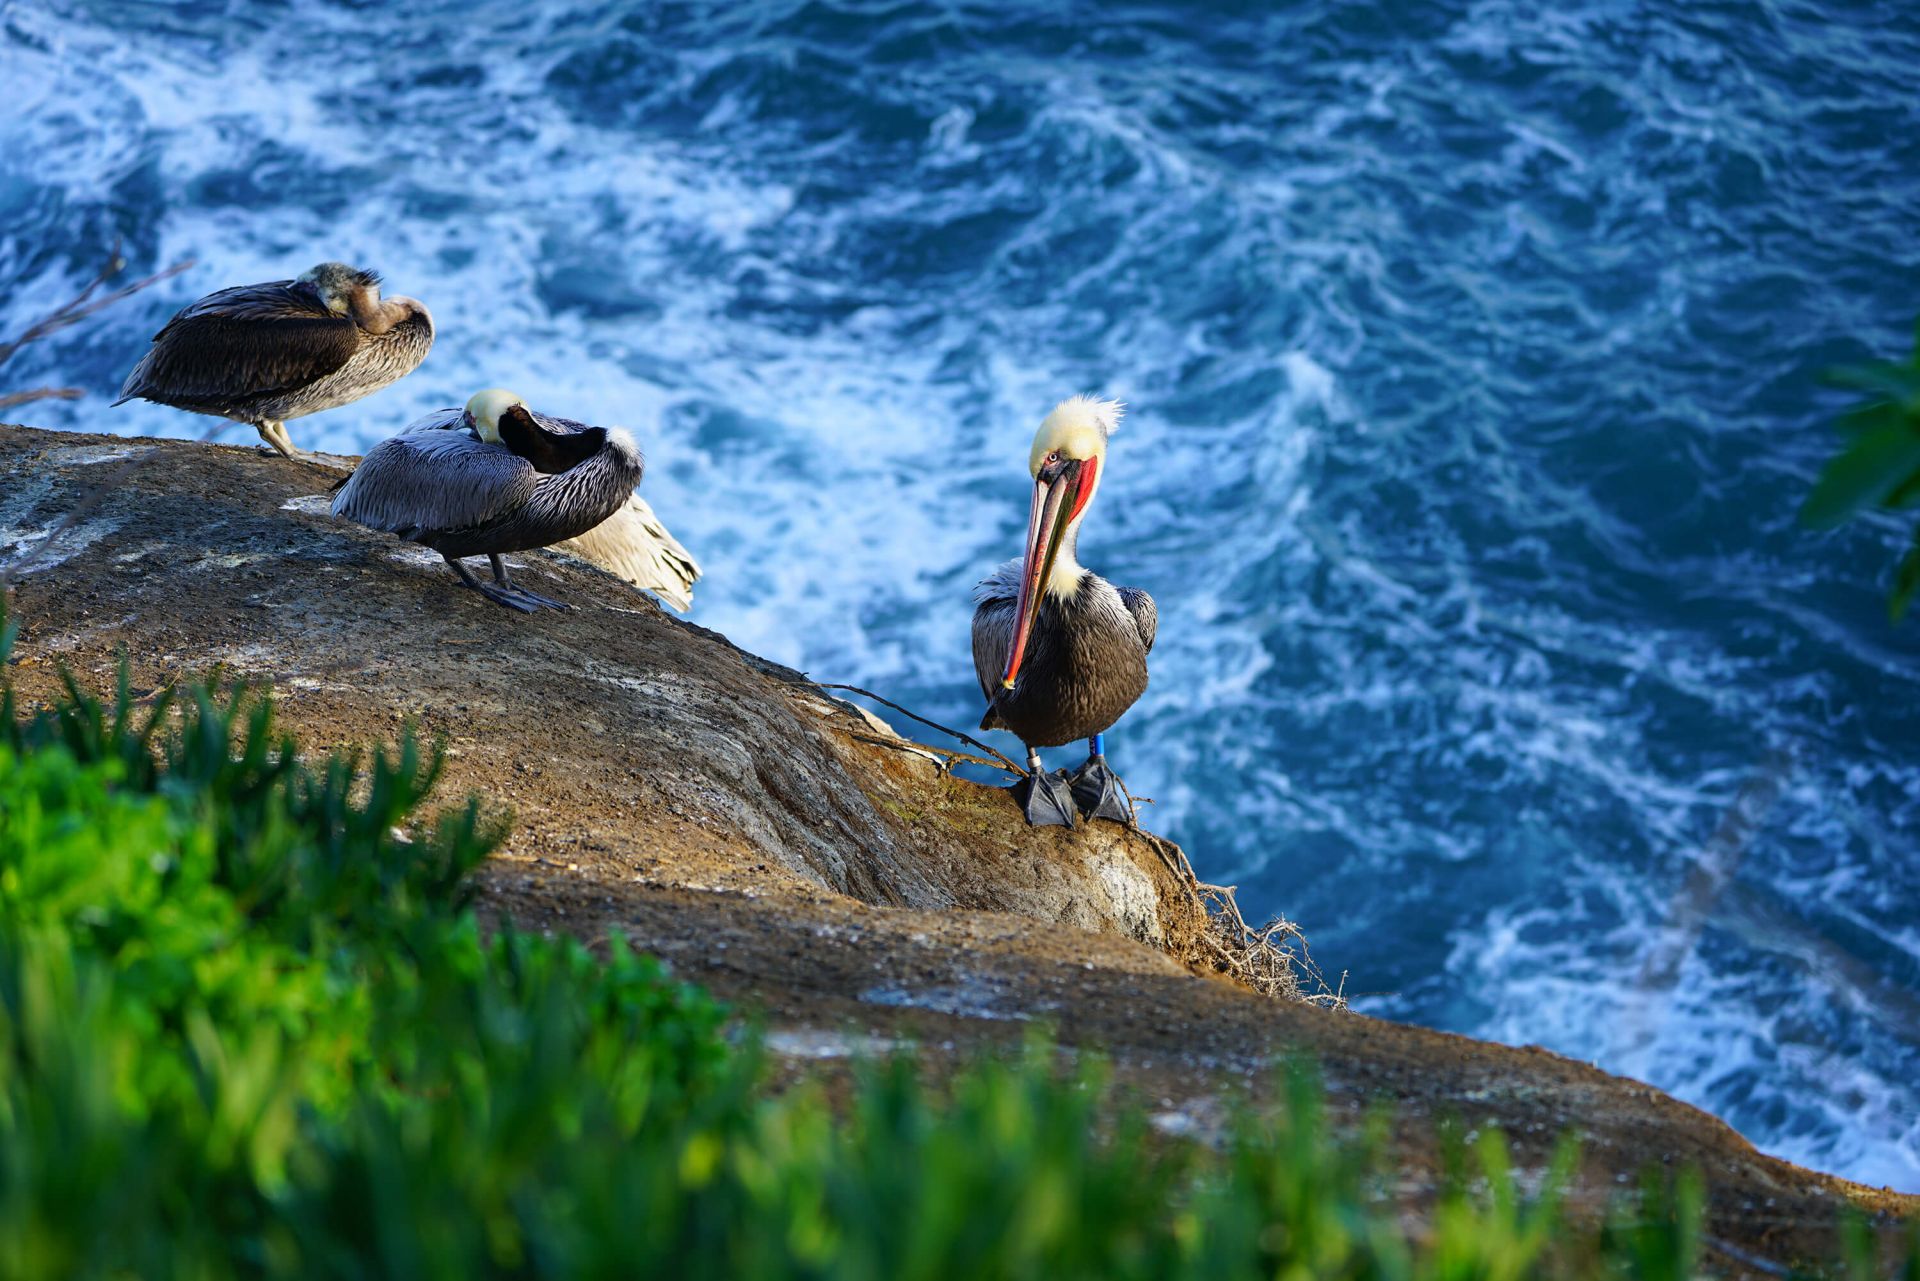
(1473, 354)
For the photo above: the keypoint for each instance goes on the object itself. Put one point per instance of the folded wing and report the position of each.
(1146, 615)
(428, 479)
(243, 343)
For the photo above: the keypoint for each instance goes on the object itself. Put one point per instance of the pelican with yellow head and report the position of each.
(1061, 653)
(497, 477)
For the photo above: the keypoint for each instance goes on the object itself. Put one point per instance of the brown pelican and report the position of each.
(1061, 653)
(631, 544)
(492, 478)
(262, 354)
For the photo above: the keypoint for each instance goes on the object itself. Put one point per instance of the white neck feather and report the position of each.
(1064, 582)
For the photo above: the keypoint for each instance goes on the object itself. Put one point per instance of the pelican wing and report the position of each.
(429, 480)
(1146, 615)
(241, 343)
(447, 419)
(552, 423)
(633, 545)
(439, 420)
(995, 598)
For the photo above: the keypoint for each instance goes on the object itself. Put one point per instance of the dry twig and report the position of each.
(999, 761)
(12, 399)
(1270, 959)
(947, 756)
(86, 304)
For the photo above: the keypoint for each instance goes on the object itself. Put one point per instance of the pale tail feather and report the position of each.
(633, 545)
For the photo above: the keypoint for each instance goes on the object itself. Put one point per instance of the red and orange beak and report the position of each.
(1060, 493)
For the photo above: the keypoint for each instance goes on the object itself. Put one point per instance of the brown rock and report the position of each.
(772, 843)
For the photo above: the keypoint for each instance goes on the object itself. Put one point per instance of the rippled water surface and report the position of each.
(1473, 359)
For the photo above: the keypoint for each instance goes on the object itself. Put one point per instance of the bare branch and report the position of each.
(946, 756)
(1004, 762)
(86, 304)
(72, 313)
(12, 399)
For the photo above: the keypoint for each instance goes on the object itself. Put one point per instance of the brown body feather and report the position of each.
(269, 352)
(1086, 660)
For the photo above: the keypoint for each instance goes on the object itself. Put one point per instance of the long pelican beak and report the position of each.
(1060, 491)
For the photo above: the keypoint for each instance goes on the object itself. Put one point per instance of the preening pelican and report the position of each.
(262, 354)
(492, 478)
(1061, 653)
(631, 544)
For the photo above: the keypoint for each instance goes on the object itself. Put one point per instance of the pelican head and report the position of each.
(1068, 454)
(341, 286)
(1076, 430)
(484, 409)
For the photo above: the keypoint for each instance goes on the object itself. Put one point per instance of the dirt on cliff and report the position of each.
(772, 843)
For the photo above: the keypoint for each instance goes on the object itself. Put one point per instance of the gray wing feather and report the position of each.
(551, 423)
(992, 637)
(431, 479)
(996, 598)
(1146, 615)
(438, 420)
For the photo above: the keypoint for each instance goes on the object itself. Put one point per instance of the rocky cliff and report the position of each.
(773, 843)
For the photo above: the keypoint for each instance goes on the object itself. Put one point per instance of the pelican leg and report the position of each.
(1096, 788)
(275, 434)
(507, 584)
(1045, 798)
(500, 596)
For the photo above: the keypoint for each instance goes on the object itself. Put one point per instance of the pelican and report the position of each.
(262, 354)
(494, 477)
(1061, 653)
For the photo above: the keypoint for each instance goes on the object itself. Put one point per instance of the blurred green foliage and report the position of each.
(1880, 466)
(249, 1028)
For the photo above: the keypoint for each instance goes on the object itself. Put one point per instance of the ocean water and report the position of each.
(1473, 358)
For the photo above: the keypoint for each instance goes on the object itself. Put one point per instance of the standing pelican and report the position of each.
(1061, 653)
(492, 478)
(262, 354)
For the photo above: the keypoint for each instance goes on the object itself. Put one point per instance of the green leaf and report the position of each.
(1899, 382)
(1906, 580)
(1908, 495)
(1863, 475)
(1873, 415)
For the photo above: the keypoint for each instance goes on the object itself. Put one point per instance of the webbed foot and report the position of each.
(503, 594)
(507, 584)
(508, 597)
(1097, 792)
(1046, 799)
